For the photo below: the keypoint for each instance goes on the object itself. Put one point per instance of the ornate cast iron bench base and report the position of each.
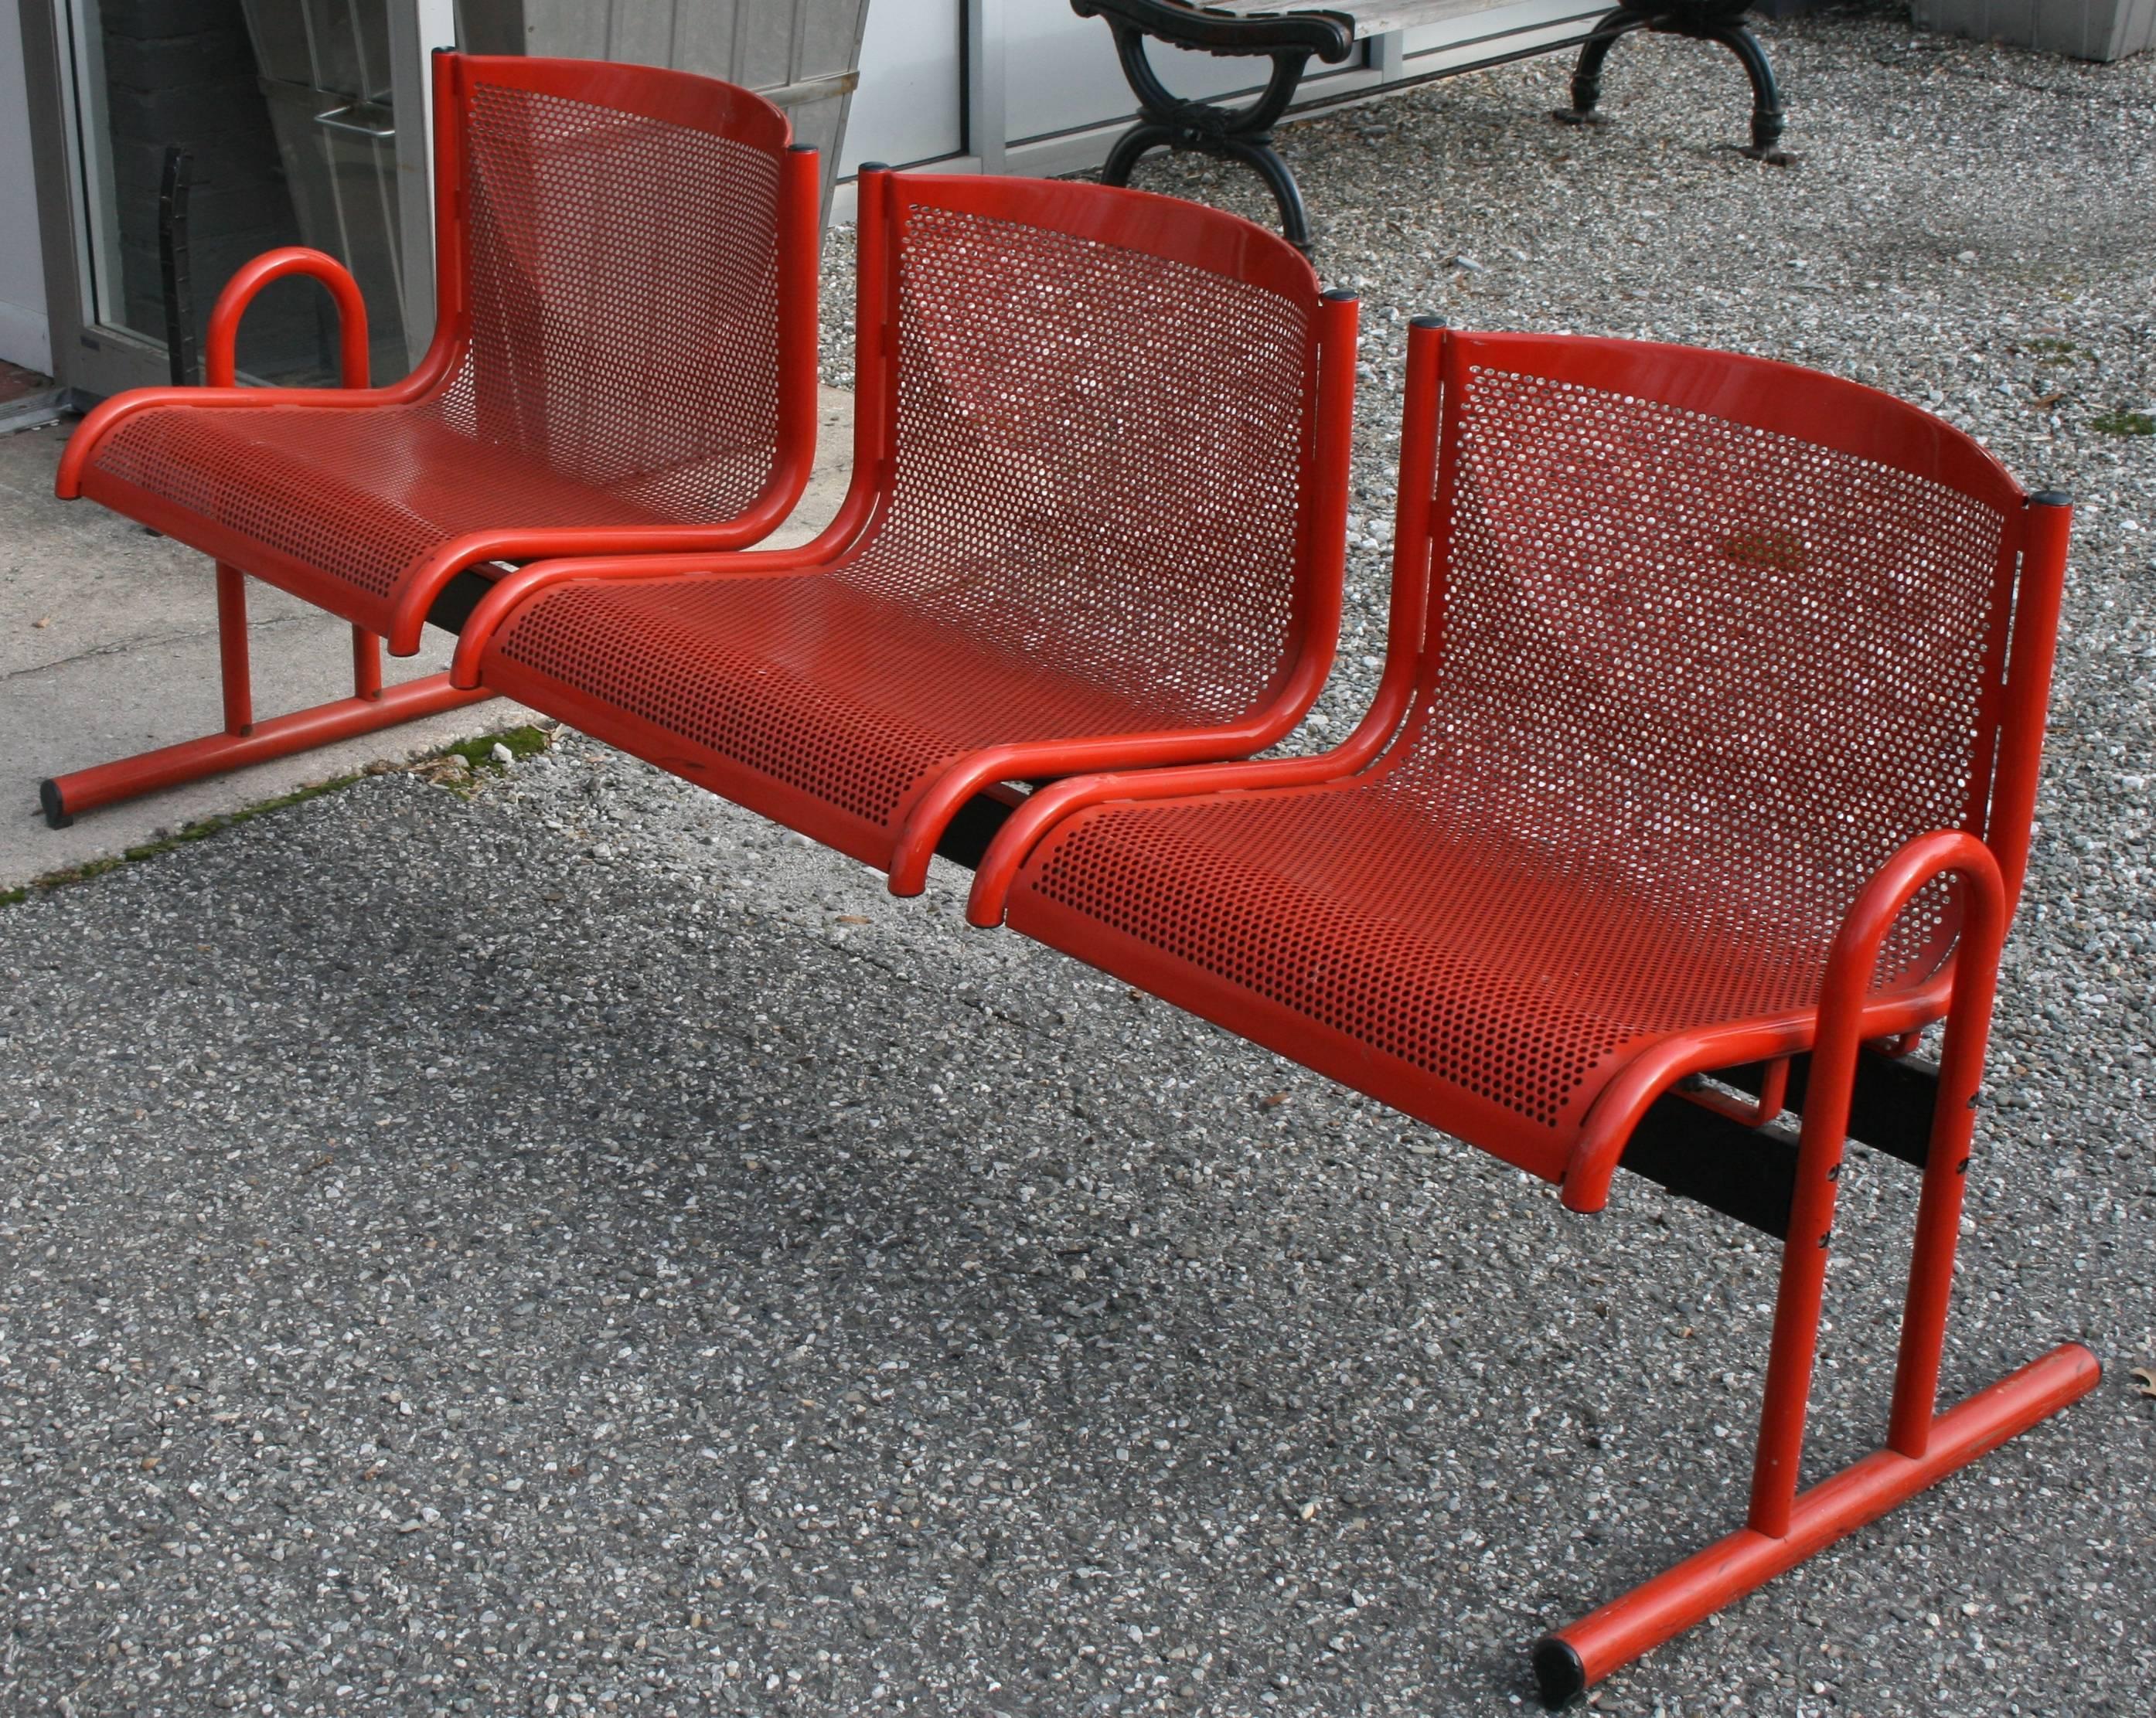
(1290, 39)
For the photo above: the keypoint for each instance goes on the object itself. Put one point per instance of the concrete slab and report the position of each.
(108, 647)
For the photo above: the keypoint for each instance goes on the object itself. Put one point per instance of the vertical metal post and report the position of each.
(175, 268)
(987, 123)
(416, 28)
(365, 664)
(1389, 57)
(232, 649)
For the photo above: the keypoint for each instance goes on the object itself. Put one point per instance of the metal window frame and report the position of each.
(94, 359)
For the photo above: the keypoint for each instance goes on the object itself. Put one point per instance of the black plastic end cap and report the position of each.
(1428, 322)
(1560, 1677)
(49, 796)
(2051, 498)
(1338, 295)
(872, 167)
(801, 149)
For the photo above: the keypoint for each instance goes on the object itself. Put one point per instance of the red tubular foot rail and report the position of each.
(1568, 1662)
(66, 797)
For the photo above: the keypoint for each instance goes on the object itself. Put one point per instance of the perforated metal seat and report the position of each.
(1698, 643)
(624, 360)
(1095, 520)
(1707, 740)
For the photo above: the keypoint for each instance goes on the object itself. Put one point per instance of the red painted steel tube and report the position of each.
(217, 754)
(1850, 962)
(1620, 1631)
(1321, 550)
(219, 351)
(2047, 523)
(798, 239)
(451, 205)
(512, 590)
(1910, 1424)
(365, 664)
(875, 386)
(231, 649)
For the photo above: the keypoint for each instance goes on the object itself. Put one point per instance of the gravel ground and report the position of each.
(576, 1247)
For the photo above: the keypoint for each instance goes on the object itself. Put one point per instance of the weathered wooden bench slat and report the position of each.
(1366, 19)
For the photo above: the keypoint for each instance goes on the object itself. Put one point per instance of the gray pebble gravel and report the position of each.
(576, 1247)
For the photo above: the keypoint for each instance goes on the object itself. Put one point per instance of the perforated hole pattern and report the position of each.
(1692, 683)
(622, 367)
(1092, 529)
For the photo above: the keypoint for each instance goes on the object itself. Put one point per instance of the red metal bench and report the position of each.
(624, 360)
(1707, 740)
(1097, 521)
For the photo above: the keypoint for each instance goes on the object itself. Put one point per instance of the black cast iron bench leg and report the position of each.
(1711, 22)
(1244, 134)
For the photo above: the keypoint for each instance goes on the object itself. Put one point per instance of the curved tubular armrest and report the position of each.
(1032, 822)
(1846, 1013)
(512, 590)
(102, 419)
(932, 813)
(219, 358)
(609, 552)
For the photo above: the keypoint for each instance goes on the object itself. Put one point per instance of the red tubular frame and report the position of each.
(1784, 1525)
(244, 742)
(675, 96)
(1157, 221)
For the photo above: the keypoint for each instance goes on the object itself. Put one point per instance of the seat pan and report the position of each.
(1490, 983)
(825, 705)
(338, 504)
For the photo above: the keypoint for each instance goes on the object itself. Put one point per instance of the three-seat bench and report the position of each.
(1698, 783)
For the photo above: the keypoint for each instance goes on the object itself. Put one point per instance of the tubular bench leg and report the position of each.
(1244, 134)
(231, 649)
(1785, 1526)
(246, 740)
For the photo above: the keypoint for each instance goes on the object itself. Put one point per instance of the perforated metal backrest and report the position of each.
(1707, 635)
(1101, 415)
(620, 273)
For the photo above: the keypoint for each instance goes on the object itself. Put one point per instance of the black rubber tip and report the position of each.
(49, 796)
(1559, 1676)
(1427, 322)
(2051, 498)
(873, 167)
(1338, 295)
(801, 149)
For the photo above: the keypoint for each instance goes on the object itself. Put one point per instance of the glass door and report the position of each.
(303, 122)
